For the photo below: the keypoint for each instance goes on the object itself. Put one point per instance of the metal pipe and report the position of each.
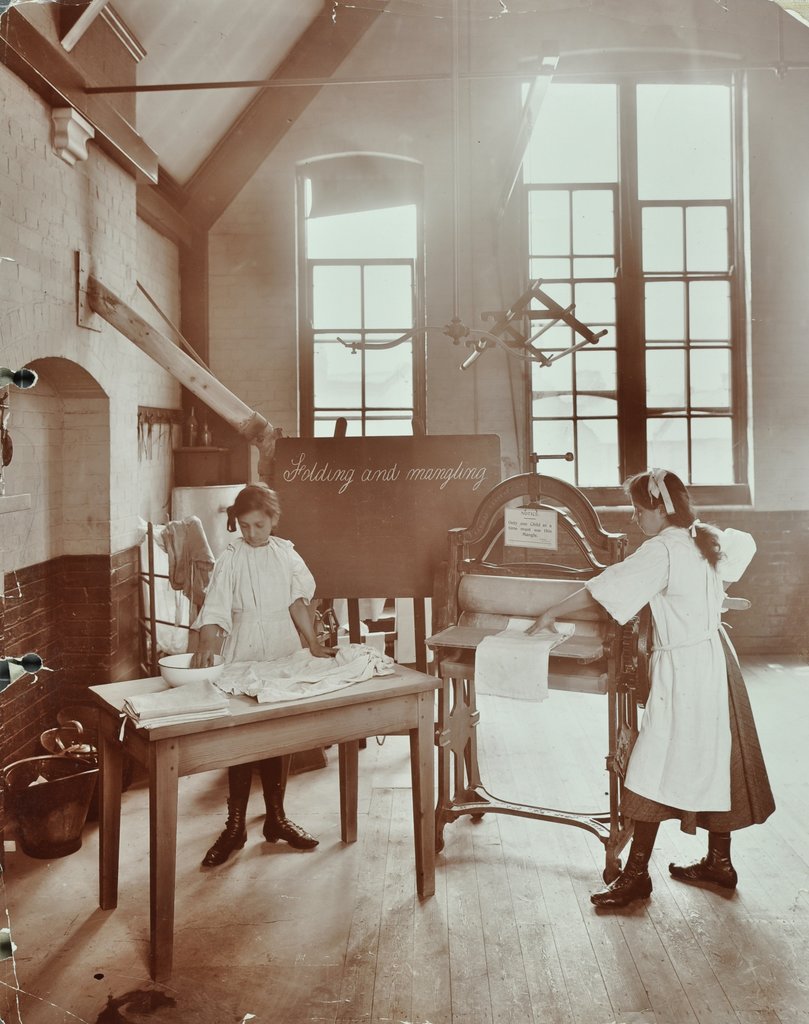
(291, 83)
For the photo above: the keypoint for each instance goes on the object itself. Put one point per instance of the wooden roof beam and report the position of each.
(237, 156)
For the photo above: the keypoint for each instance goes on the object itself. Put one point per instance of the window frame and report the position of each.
(306, 331)
(630, 300)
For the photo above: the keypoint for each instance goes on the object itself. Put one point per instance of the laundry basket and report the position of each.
(49, 797)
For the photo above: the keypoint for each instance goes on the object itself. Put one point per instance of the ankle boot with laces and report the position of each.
(278, 826)
(715, 868)
(634, 883)
(232, 838)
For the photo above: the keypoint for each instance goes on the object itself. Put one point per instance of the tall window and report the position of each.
(632, 217)
(362, 357)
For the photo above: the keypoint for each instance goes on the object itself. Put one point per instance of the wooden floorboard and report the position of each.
(339, 935)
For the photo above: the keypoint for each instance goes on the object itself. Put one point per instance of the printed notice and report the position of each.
(531, 528)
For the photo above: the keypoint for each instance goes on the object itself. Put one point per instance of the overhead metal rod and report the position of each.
(304, 83)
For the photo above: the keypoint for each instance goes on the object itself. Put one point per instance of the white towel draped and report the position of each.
(513, 664)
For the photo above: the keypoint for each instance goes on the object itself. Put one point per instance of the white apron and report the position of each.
(682, 754)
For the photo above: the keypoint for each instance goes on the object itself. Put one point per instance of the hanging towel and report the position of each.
(190, 703)
(513, 664)
(191, 560)
(301, 674)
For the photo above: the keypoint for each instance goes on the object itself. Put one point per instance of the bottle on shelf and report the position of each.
(191, 429)
(206, 434)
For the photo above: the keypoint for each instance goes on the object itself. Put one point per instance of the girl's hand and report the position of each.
(544, 624)
(319, 651)
(202, 658)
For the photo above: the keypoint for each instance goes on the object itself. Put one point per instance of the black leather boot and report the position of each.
(715, 868)
(277, 825)
(634, 882)
(232, 838)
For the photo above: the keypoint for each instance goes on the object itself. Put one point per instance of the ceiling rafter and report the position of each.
(319, 51)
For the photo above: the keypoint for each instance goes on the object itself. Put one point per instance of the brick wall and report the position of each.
(69, 561)
(776, 582)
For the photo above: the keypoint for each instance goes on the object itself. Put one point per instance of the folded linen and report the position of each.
(190, 703)
(301, 674)
(513, 664)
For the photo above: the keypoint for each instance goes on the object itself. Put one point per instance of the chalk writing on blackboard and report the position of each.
(326, 473)
(531, 528)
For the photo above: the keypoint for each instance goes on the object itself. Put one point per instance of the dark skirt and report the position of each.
(751, 799)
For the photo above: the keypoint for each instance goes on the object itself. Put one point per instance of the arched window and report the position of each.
(361, 324)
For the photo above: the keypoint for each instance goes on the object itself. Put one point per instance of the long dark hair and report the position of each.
(638, 489)
(254, 498)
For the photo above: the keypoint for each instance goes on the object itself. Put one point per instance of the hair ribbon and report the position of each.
(692, 529)
(658, 489)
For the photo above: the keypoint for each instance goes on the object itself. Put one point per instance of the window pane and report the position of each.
(706, 235)
(595, 304)
(560, 336)
(593, 222)
(575, 135)
(370, 234)
(388, 297)
(401, 426)
(666, 444)
(336, 297)
(389, 376)
(710, 378)
(549, 384)
(324, 423)
(684, 142)
(554, 437)
(549, 268)
(598, 453)
(549, 223)
(665, 311)
(709, 311)
(337, 374)
(662, 239)
(589, 267)
(711, 450)
(595, 383)
(665, 379)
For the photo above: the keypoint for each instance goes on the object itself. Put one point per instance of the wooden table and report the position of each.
(401, 703)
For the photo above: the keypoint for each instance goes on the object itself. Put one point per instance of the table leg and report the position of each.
(422, 740)
(349, 776)
(110, 754)
(163, 779)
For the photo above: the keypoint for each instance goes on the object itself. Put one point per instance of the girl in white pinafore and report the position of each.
(257, 596)
(697, 756)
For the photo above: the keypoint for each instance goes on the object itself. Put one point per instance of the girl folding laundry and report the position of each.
(257, 601)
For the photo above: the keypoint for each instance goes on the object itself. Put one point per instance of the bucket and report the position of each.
(51, 813)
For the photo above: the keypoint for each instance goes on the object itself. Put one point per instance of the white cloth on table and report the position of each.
(682, 754)
(192, 702)
(302, 675)
(249, 597)
(513, 664)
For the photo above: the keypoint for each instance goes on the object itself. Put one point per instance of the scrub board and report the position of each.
(370, 515)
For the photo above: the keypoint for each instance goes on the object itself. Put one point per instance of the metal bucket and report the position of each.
(50, 814)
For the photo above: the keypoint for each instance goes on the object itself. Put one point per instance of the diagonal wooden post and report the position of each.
(250, 424)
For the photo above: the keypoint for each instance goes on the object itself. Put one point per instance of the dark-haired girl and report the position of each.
(697, 757)
(257, 602)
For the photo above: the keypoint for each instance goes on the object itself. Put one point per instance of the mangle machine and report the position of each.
(484, 584)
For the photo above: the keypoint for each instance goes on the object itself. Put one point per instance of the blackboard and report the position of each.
(370, 515)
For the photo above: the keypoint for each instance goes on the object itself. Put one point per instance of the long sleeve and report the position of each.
(625, 587)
